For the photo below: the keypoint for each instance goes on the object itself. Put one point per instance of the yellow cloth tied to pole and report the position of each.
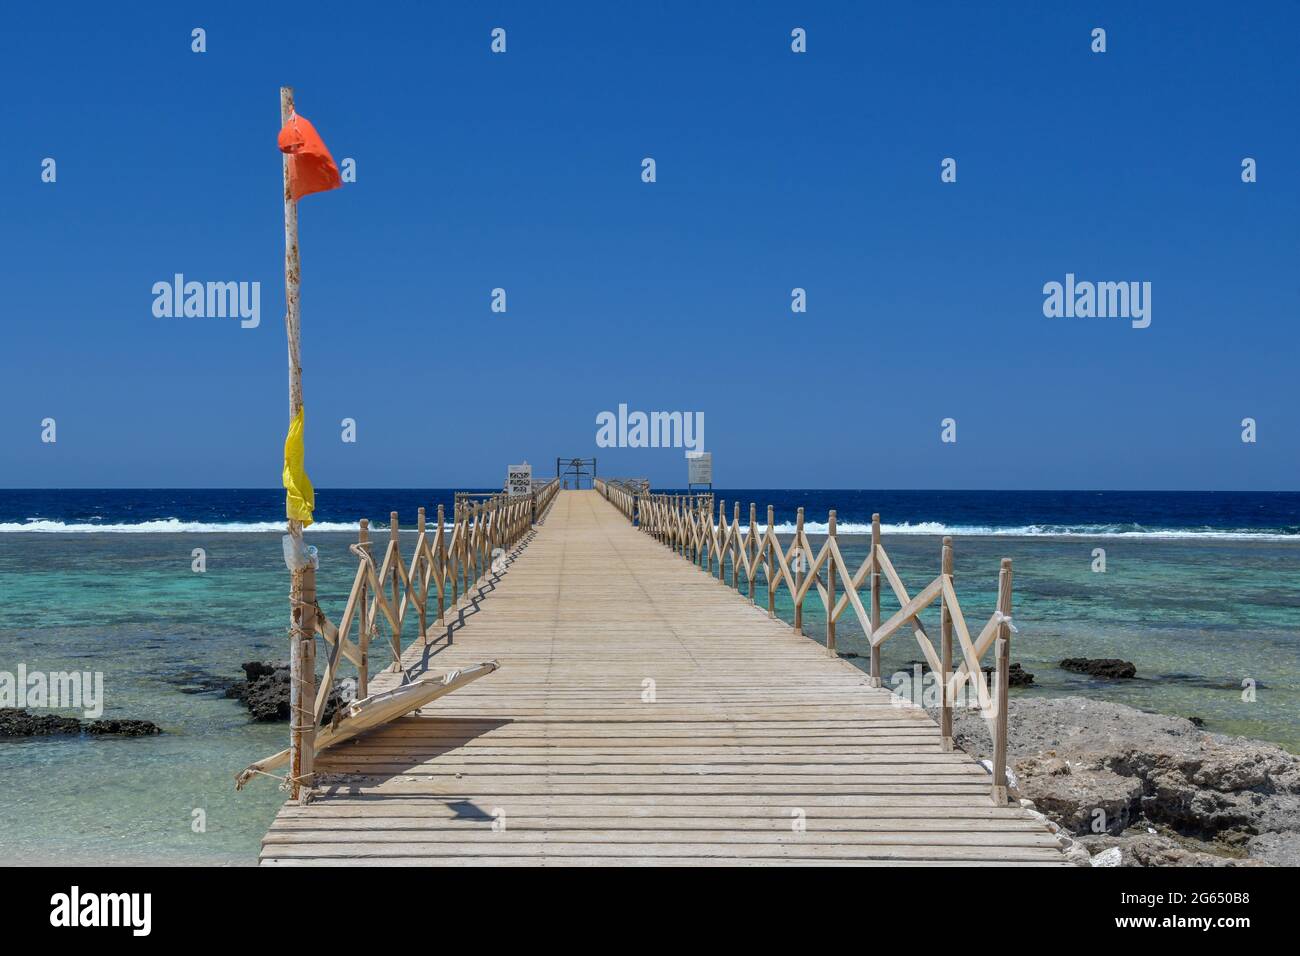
(300, 497)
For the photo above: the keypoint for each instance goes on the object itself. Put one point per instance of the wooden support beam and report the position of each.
(1003, 662)
(945, 656)
(875, 598)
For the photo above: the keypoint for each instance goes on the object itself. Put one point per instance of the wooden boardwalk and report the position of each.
(560, 758)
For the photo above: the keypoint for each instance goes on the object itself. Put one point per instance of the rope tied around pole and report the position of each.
(1006, 619)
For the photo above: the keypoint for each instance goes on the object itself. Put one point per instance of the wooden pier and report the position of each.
(643, 714)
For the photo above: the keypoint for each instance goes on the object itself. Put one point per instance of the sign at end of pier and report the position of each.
(519, 479)
(699, 468)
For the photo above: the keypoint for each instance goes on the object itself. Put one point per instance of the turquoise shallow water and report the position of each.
(1195, 616)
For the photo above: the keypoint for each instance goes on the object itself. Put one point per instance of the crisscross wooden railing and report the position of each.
(622, 493)
(686, 523)
(400, 597)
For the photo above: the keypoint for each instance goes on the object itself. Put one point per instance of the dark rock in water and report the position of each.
(123, 728)
(16, 722)
(1197, 721)
(255, 670)
(266, 691)
(194, 681)
(1210, 683)
(19, 723)
(1017, 676)
(1106, 668)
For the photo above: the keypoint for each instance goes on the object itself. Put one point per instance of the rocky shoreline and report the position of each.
(17, 722)
(265, 691)
(1137, 789)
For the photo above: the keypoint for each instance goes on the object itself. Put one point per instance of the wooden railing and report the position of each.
(622, 493)
(444, 566)
(686, 523)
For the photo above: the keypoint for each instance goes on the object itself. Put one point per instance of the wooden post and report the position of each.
(302, 582)
(689, 508)
(751, 549)
(440, 554)
(467, 550)
(479, 512)
(716, 551)
(692, 550)
(875, 598)
(421, 577)
(735, 545)
(830, 587)
(687, 547)
(945, 635)
(464, 548)
(393, 532)
(1003, 658)
(798, 570)
(771, 568)
(452, 557)
(363, 621)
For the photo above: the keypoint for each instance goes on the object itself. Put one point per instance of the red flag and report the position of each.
(311, 167)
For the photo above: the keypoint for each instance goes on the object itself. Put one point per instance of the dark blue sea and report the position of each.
(1092, 513)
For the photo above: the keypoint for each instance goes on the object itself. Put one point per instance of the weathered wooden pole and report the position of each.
(771, 568)
(722, 548)
(440, 553)
(396, 601)
(875, 598)
(751, 549)
(800, 563)
(830, 585)
(363, 620)
(422, 576)
(1003, 658)
(452, 556)
(302, 580)
(945, 636)
(735, 545)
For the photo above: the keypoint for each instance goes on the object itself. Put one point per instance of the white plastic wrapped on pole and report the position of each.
(298, 555)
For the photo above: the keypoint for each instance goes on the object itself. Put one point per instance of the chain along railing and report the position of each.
(687, 524)
(447, 562)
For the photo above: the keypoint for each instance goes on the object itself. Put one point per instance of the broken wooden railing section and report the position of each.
(447, 562)
(688, 524)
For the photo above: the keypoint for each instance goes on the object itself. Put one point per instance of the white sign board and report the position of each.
(699, 467)
(519, 479)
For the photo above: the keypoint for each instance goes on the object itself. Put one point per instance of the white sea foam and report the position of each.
(169, 526)
(936, 528)
(932, 528)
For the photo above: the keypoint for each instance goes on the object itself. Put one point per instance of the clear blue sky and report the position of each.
(775, 170)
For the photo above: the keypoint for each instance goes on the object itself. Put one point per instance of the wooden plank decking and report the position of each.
(752, 728)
